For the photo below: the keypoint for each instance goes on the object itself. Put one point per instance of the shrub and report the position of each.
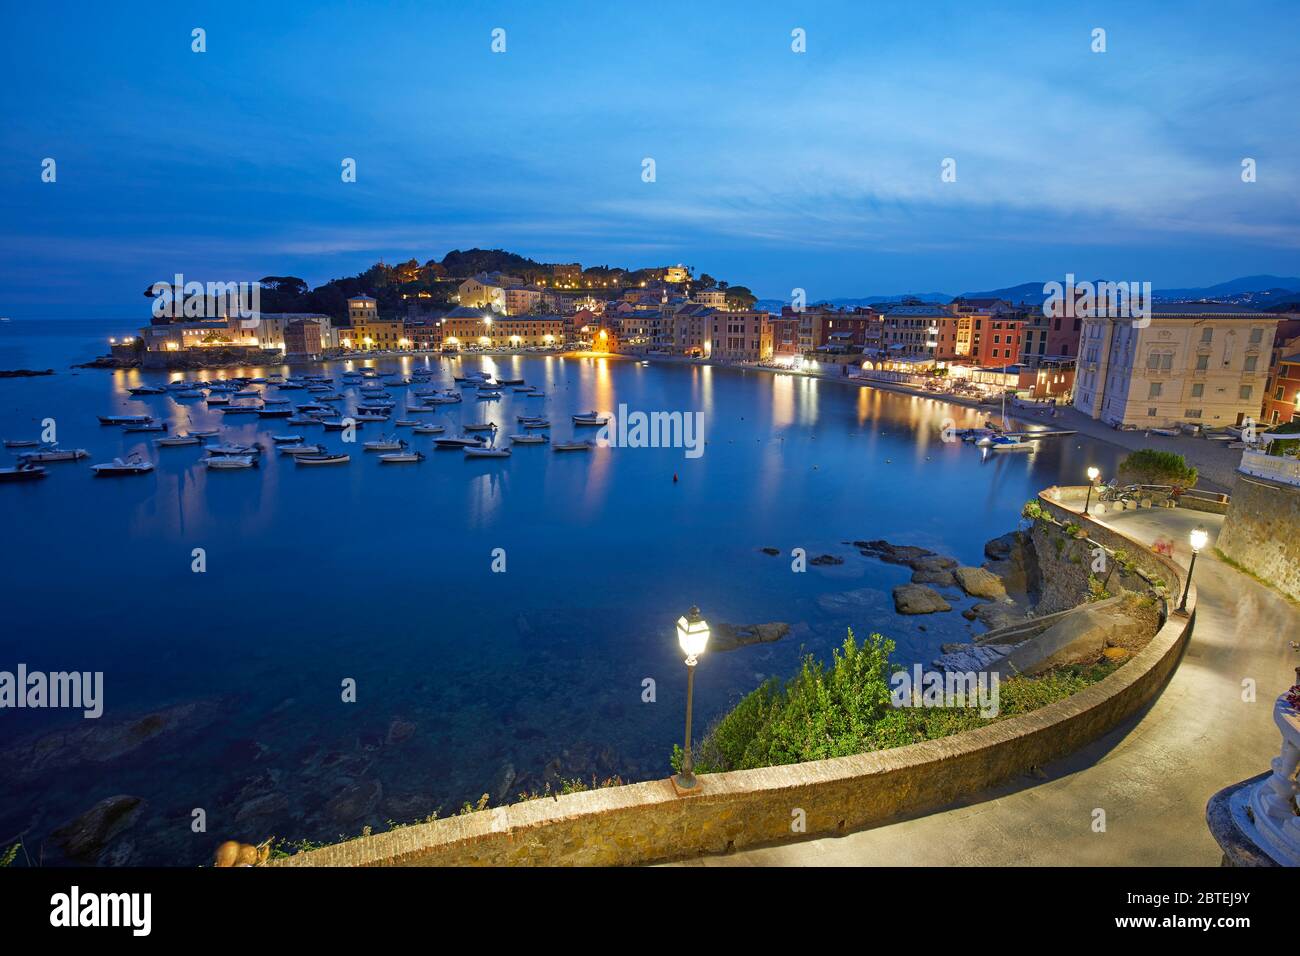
(1151, 467)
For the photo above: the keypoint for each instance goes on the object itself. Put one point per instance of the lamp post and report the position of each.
(1198, 537)
(1093, 475)
(693, 636)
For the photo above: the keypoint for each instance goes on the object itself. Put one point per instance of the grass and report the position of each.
(845, 709)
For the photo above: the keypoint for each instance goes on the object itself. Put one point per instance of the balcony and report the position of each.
(1271, 467)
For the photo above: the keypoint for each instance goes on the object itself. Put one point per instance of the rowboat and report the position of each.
(537, 423)
(402, 457)
(526, 439)
(571, 446)
(428, 430)
(21, 443)
(174, 441)
(124, 419)
(385, 443)
(230, 448)
(590, 418)
(55, 454)
(322, 459)
(462, 442)
(483, 452)
(231, 462)
(286, 439)
(147, 390)
(405, 423)
(300, 449)
(150, 426)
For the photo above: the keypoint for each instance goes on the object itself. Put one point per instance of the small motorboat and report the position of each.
(286, 439)
(405, 423)
(218, 399)
(322, 459)
(175, 441)
(303, 420)
(21, 443)
(385, 443)
(590, 418)
(524, 389)
(241, 408)
(147, 390)
(402, 458)
(534, 394)
(481, 427)
(369, 417)
(537, 423)
(510, 381)
(207, 433)
(465, 441)
(230, 462)
(338, 424)
(571, 446)
(527, 439)
(428, 430)
(274, 413)
(230, 448)
(189, 393)
(301, 449)
(488, 396)
(124, 419)
(149, 426)
(132, 465)
(23, 471)
(524, 419)
(486, 452)
(443, 400)
(1003, 443)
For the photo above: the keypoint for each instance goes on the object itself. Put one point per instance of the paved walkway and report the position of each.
(1152, 776)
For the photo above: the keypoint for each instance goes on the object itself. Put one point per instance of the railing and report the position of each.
(1273, 801)
(1272, 467)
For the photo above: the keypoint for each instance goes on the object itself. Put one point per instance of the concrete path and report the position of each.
(1152, 776)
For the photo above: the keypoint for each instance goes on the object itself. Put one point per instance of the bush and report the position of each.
(1152, 467)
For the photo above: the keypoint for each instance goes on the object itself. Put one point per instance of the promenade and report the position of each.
(1152, 776)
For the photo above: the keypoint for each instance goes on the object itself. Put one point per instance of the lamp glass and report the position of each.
(1198, 538)
(692, 635)
(1093, 473)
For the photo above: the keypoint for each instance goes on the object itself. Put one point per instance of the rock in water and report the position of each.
(978, 582)
(728, 637)
(918, 599)
(822, 559)
(85, 838)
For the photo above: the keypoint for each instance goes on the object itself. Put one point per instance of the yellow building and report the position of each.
(463, 327)
(740, 336)
(1203, 364)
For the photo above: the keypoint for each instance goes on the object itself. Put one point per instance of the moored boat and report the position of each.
(571, 446)
(54, 453)
(526, 439)
(124, 419)
(132, 465)
(402, 457)
(486, 452)
(23, 471)
(322, 459)
(231, 462)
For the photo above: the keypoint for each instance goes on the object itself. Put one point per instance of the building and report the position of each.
(1283, 391)
(302, 337)
(846, 333)
(567, 275)
(424, 334)
(1286, 343)
(741, 336)
(785, 335)
(362, 308)
(366, 331)
(712, 297)
(691, 329)
(479, 292)
(996, 340)
(909, 332)
(522, 299)
(677, 274)
(464, 326)
(1199, 363)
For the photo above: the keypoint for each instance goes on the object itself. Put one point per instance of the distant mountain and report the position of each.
(774, 305)
(1247, 285)
(1031, 292)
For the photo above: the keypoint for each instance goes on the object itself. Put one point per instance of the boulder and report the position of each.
(918, 599)
(846, 602)
(1080, 637)
(970, 657)
(85, 838)
(771, 551)
(932, 563)
(728, 637)
(892, 553)
(822, 559)
(354, 801)
(943, 579)
(977, 582)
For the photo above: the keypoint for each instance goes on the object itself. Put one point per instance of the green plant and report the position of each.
(1033, 511)
(7, 858)
(1148, 466)
(1096, 589)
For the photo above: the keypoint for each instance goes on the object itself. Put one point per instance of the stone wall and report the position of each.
(1261, 532)
(648, 822)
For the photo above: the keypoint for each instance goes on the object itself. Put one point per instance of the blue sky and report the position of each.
(774, 169)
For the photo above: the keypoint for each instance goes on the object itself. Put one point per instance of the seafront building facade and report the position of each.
(739, 336)
(1201, 364)
(463, 326)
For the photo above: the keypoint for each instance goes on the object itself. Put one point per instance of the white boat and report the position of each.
(231, 462)
(301, 449)
(465, 441)
(207, 433)
(174, 441)
(322, 459)
(385, 443)
(481, 427)
(55, 454)
(485, 452)
(286, 439)
(526, 439)
(147, 390)
(537, 423)
(1003, 443)
(23, 471)
(230, 448)
(369, 417)
(443, 400)
(133, 465)
(124, 419)
(428, 430)
(405, 423)
(303, 420)
(21, 443)
(524, 419)
(402, 457)
(488, 396)
(590, 418)
(151, 426)
(571, 446)
(216, 399)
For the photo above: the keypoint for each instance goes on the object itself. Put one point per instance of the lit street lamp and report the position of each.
(693, 636)
(1198, 538)
(1093, 475)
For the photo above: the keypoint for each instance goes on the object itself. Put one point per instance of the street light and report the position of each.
(693, 636)
(1093, 474)
(1198, 538)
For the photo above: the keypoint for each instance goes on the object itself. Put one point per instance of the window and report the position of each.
(1153, 361)
(1202, 363)
(1151, 413)
(1207, 336)
(1250, 363)
(1256, 336)
(1155, 390)
(1278, 394)
(1244, 392)
(1198, 390)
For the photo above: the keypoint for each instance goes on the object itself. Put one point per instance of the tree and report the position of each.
(1151, 467)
